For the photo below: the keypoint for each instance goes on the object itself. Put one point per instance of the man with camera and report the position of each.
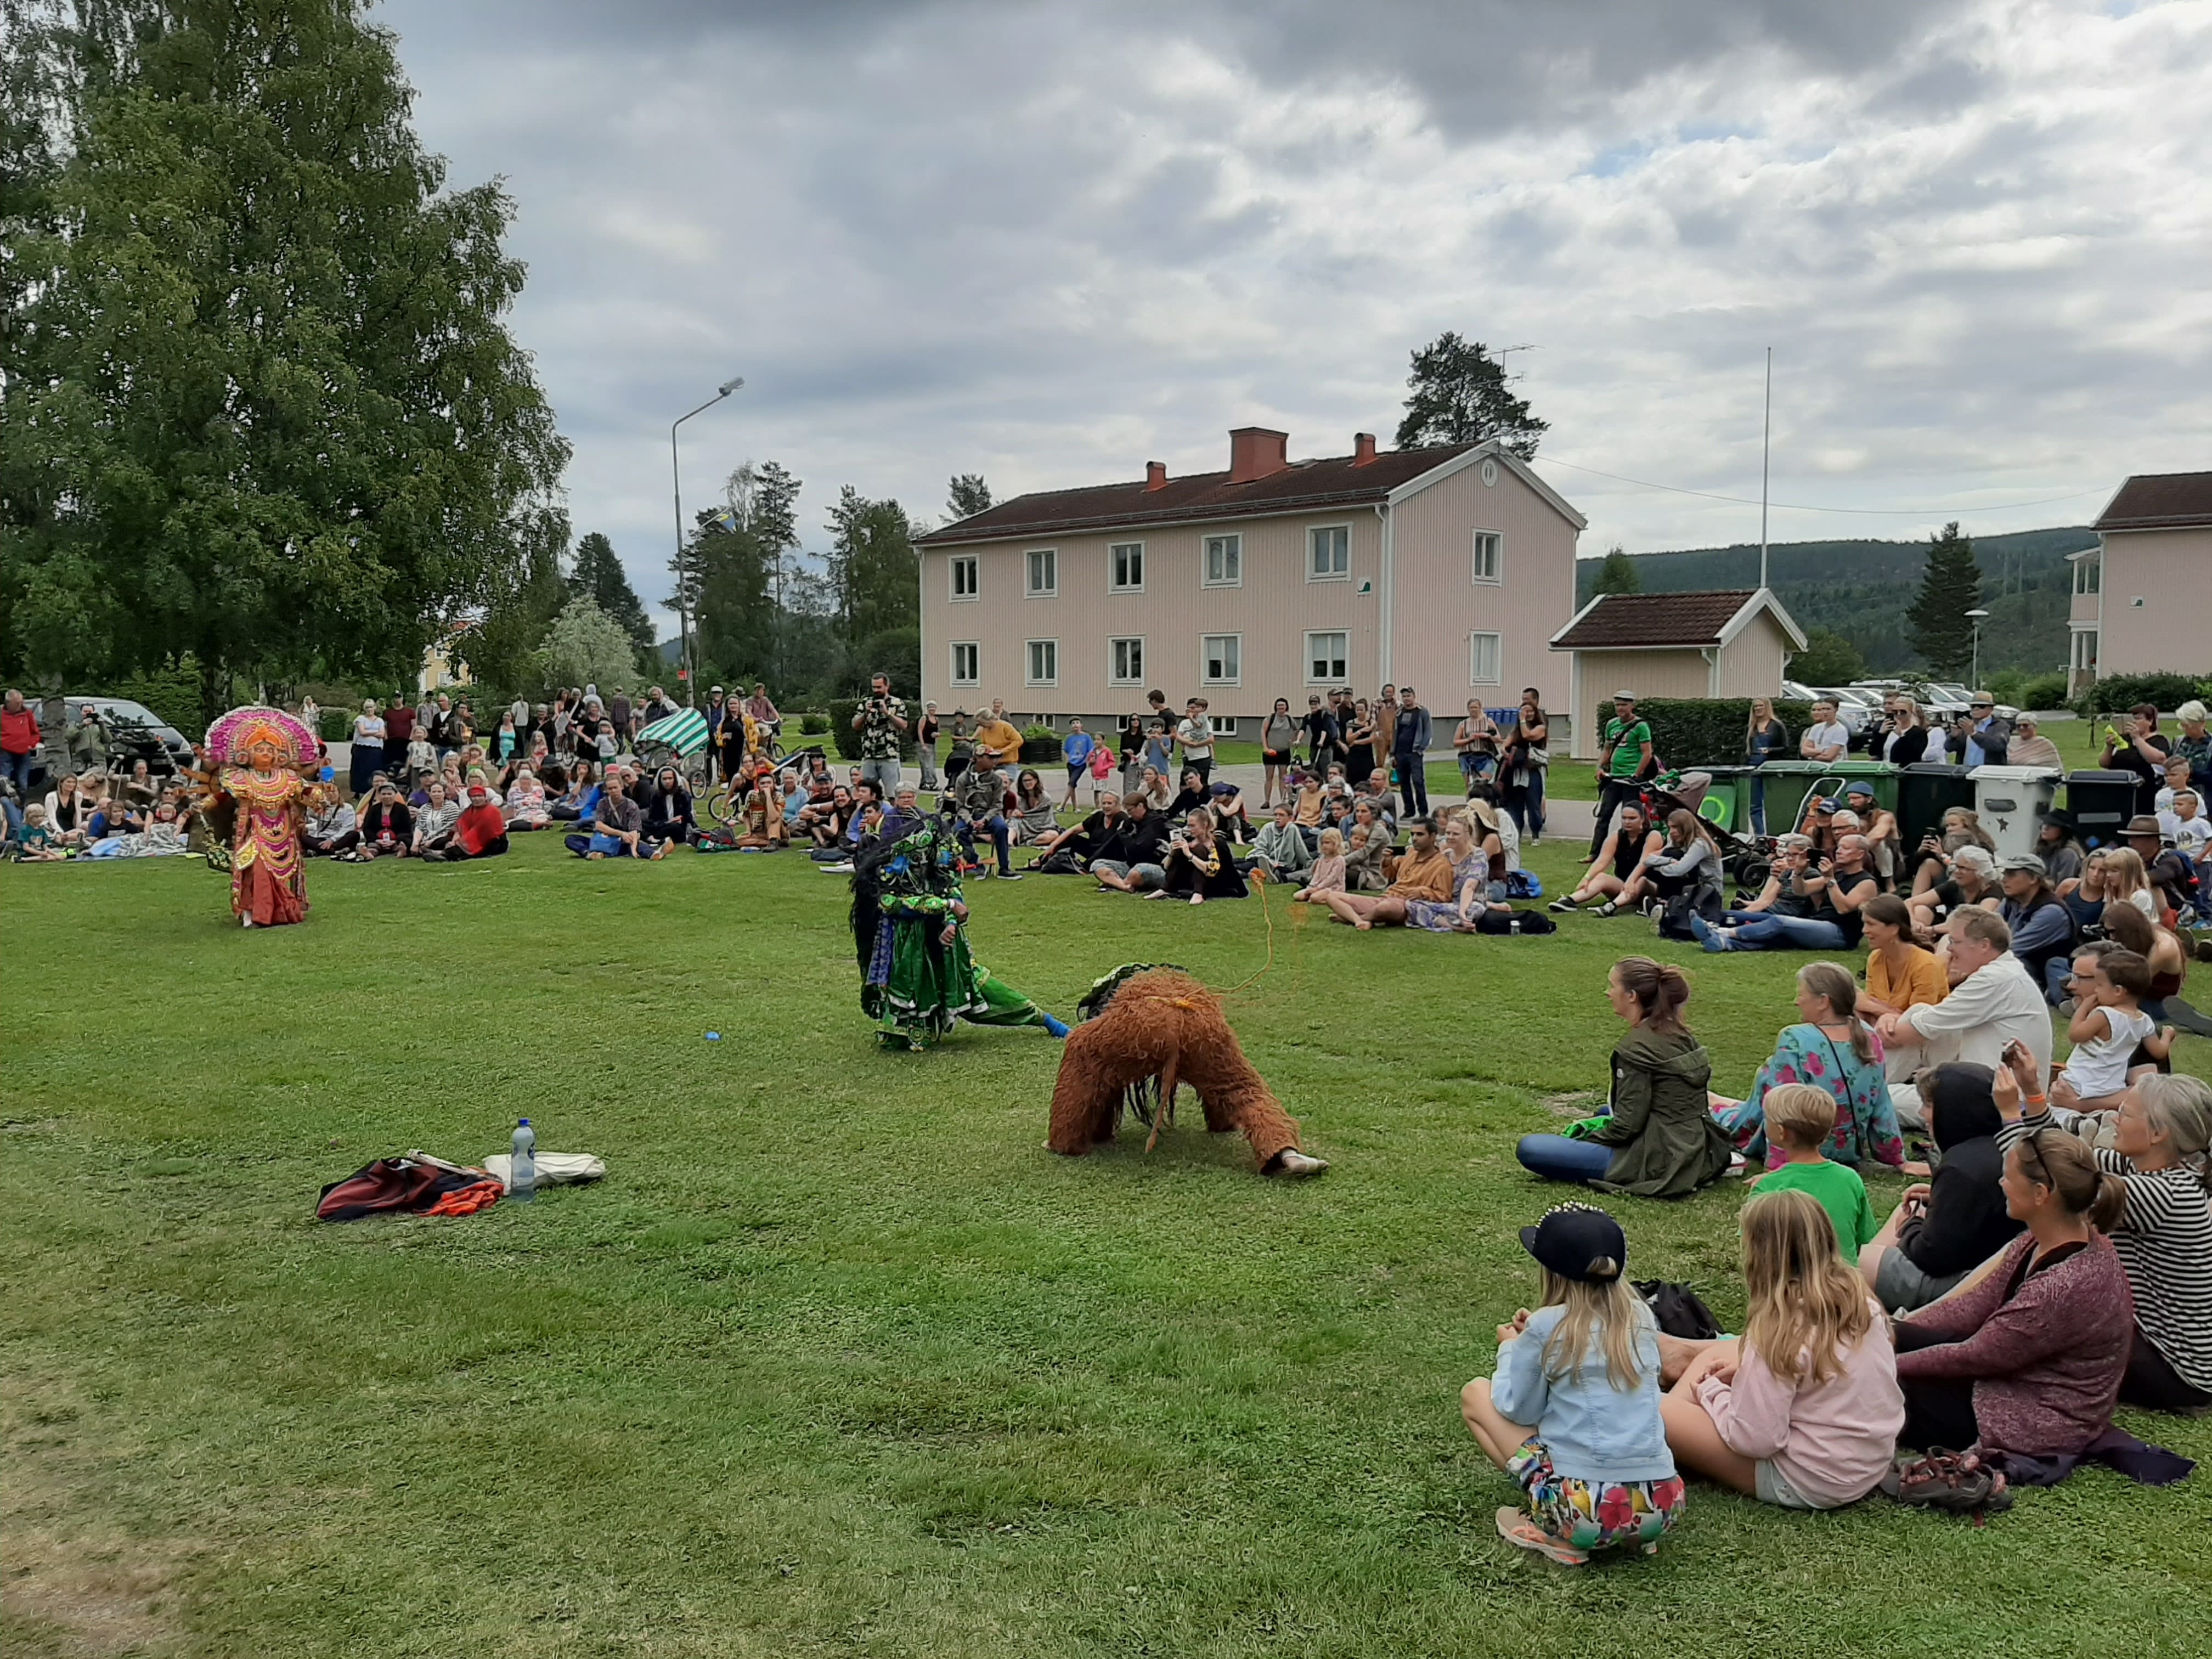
(1836, 887)
(881, 722)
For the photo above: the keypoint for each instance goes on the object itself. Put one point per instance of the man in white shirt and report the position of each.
(1994, 1000)
(1826, 738)
(1195, 734)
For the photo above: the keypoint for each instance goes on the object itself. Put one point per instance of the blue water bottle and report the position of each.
(522, 1174)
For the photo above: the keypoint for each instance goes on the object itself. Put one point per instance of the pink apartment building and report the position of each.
(1449, 569)
(2142, 596)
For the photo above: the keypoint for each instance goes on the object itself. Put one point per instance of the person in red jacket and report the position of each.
(481, 830)
(19, 741)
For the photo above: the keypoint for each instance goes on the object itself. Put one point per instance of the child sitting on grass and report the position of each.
(2107, 1027)
(37, 841)
(1573, 1412)
(1326, 875)
(1798, 1118)
(1803, 1410)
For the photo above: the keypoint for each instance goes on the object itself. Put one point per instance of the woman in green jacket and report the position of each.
(1658, 1139)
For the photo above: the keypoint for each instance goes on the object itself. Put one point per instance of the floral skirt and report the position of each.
(1590, 1516)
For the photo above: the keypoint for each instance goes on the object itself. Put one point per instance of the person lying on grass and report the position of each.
(1572, 1413)
(1803, 1410)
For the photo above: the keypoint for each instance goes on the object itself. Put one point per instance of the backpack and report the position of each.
(1674, 920)
(1514, 921)
(1679, 1310)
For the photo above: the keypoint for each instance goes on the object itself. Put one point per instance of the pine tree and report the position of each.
(871, 568)
(969, 495)
(1458, 395)
(599, 576)
(1618, 575)
(1940, 628)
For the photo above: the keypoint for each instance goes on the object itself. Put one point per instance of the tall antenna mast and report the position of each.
(1766, 450)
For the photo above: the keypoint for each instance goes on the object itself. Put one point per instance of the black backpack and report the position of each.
(1679, 1310)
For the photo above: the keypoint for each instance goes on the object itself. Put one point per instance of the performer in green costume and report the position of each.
(910, 934)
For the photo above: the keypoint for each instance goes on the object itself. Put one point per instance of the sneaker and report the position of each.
(1562, 906)
(1649, 907)
(1010, 875)
(1294, 1165)
(844, 867)
(1708, 935)
(1610, 908)
(1522, 1530)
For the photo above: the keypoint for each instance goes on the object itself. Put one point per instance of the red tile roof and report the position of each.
(1617, 620)
(2161, 501)
(1332, 482)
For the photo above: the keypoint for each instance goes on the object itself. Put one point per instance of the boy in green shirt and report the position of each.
(1799, 1117)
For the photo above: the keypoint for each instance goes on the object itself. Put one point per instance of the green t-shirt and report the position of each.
(1627, 738)
(1840, 1193)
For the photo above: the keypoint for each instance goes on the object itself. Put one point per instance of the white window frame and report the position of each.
(974, 649)
(1135, 677)
(1030, 662)
(1030, 556)
(1116, 587)
(1344, 672)
(1497, 576)
(953, 579)
(1314, 531)
(1232, 543)
(2089, 576)
(1474, 675)
(1224, 725)
(1235, 679)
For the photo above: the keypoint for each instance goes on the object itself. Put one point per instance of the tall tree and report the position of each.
(600, 577)
(1828, 659)
(1618, 575)
(1950, 588)
(502, 649)
(871, 567)
(261, 405)
(587, 647)
(1458, 395)
(969, 495)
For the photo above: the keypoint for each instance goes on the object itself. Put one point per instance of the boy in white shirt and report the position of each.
(2181, 820)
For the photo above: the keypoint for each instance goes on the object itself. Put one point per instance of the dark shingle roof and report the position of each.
(1334, 482)
(2161, 501)
(1653, 619)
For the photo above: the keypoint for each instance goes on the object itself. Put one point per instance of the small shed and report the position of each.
(1735, 643)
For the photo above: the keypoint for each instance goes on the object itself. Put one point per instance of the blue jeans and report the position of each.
(1760, 932)
(17, 768)
(1413, 783)
(996, 824)
(1758, 798)
(1555, 1157)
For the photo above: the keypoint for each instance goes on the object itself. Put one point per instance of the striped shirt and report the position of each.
(2164, 1240)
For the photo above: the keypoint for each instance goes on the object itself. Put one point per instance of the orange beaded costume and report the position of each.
(257, 752)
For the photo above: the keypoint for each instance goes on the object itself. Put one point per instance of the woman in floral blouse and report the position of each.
(1834, 1050)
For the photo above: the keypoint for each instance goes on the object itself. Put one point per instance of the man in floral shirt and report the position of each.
(881, 723)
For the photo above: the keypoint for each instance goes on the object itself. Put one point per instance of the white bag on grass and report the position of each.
(554, 1168)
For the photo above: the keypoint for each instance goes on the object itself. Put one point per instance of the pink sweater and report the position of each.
(1832, 1441)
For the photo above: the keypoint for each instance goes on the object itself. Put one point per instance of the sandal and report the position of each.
(1519, 1529)
(1957, 1482)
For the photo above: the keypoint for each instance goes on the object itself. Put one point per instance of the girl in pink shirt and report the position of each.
(1803, 1410)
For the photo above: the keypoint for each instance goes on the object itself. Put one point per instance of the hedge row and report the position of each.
(2169, 691)
(1706, 731)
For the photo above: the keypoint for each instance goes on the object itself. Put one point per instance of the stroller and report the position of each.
(1748, 859)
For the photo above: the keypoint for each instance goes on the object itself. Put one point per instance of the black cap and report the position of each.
(1573, 1239)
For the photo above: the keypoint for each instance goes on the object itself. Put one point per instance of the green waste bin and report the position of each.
(1787, 783)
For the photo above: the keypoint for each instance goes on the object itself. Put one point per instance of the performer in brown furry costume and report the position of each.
(1143, 1032)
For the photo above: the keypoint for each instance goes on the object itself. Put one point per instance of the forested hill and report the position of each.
(1865, 590)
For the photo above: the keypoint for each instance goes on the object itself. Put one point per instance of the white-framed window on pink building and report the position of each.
(1221, 562)
(1489, 556)
(967, 662)
(1328, 553)
(1043, 564)
(1326, 658)
(1221, 659)
(1125, 567)
(1043, 662)
(1125, 661)
(1485, 654)
(962, 575)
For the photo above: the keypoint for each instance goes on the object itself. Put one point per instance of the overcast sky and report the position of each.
(1051, 242)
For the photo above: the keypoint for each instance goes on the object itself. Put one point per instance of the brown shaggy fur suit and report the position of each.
(1163, 1024)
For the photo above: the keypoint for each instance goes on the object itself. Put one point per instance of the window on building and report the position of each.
(1044, 662)
(1485, 659)
(2088, 576)
(1329, 552)
(1325, 659)
(1225, 562)
(1489, 555)
(1125, 661)
(963, 576)
(967, 664)
(2085, 651)
(1044, 572)
(1125, 563)
(1221, 657)
(1224, 725)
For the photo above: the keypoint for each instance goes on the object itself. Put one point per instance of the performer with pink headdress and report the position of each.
(256, 755)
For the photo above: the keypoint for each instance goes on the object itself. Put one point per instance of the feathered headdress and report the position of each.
(233, 738)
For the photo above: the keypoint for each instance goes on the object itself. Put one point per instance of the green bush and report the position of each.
(813, 726)
(840, 723)
(1040, 743)
(2168, 691)
(1706, 731)
(336, 725)
(2041, 691)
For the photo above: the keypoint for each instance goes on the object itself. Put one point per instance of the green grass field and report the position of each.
(838, 1360)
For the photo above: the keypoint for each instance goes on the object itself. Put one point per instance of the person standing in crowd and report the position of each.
(1357, 747)
(1527, 756)
(617, 706)
(1903, 739)
(1133, 754)
(1624, 756)
(2133, 743)
(20, 738)
(1827, 738)
(1320, 731)
(881, 721)
(924, 743)
(1765, 738)
(998, 737)
(368, 750)
(399, 737)
(1194, 735)
(1075, 752)
(1989, 734)
(1278, 737)
(761, 709)
(2195, 745)
(717, 714)
(2029, 747)
(1410, 753)
(1474, 742)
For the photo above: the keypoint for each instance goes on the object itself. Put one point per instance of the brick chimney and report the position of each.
(1156, 475)
(1256, 451)
(1363, 448)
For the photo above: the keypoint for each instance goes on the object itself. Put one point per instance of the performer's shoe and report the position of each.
(1294, 1164)
(1058, 1027)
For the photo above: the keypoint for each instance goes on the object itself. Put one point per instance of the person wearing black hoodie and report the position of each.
(1943, 1231)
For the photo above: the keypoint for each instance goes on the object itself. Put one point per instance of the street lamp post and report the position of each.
(683, 597)
(1977, 617)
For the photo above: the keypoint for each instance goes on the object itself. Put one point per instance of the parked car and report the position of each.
(1856, 710)
(135, 732)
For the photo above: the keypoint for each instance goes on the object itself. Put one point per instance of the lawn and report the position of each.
(838, 1360)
